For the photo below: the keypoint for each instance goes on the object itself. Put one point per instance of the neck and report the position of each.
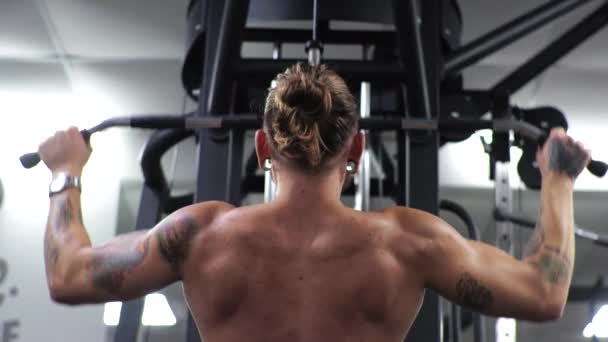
(309, 189)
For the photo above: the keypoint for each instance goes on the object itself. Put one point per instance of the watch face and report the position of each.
(58, 183)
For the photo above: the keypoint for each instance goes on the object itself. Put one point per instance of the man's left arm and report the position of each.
(127, 267)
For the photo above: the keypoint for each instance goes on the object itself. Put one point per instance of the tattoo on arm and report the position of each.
(62, 218)
(57, 230)
(51, 251)
(536, 241)
(174, 239)
(566, 158)
(554, 265)
(64, 215)
(471, 293)
(112, 262)
(552, 262)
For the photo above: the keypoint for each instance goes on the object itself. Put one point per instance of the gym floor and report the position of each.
(76, 62)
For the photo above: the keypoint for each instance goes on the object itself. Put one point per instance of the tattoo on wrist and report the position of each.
(112, 262)
(566, 158)
(471, 293)
(174, 239)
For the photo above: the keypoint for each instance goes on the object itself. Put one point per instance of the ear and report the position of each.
(262, 149)
(357, 147)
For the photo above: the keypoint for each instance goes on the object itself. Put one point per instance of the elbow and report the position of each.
(554, 311)
(553, 303)
(57, 292)
(61, 294)
(549, 311)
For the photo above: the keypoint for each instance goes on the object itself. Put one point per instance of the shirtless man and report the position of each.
(305, 267)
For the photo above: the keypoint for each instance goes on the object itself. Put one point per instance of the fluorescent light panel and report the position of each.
(598, 326)
(157, 312)
(506, 330)
(111, 313)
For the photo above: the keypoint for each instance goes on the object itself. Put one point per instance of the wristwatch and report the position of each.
(63, 181)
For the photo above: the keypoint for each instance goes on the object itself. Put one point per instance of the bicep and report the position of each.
(482, 277)
(134, 264)
(127, 267)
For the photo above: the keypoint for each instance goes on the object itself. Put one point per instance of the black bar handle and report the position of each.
(596, 167)
(157, 122)
(29, 160)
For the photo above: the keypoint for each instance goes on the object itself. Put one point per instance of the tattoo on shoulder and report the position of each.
(566, 158)
(554, 265)
(113, 262)
(174, 239)
(472, 294)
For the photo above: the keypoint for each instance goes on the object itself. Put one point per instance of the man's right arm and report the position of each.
(486, 279)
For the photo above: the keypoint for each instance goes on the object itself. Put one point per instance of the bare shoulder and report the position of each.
(207, 212)
(177, 232)
(416, 222)
(195, 218)
(418, 233)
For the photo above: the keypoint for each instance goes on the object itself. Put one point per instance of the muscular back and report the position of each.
(308, 270)
(274, 274)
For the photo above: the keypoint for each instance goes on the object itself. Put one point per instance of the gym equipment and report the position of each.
(412, 85)
(502, 216)
(546, 118)
(455, 311)
(252, 121)
(362, 179)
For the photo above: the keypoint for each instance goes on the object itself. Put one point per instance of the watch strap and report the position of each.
(62, 182)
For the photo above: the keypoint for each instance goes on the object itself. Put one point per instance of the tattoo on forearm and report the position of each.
(114, 261)
(472, 294)
(174, 239)
(536, 241)
(65, 214)
(51, 251)
(57, 231)
(554, 265)
(566, 158)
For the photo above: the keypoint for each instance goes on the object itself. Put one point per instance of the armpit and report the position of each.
(472, 294)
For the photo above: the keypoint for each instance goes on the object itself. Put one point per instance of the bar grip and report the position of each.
(29, 160)
(596, 167)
